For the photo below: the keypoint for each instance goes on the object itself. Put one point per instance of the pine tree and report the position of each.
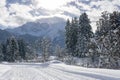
(108, 39)
(84, 35)
(46, 48)
(112, 41)
(1, 53)
(71, 36)
(12, 50)
(93, 51)
(22, 49)
(9, 55)
(68, 36)
(30, 53)
(74, 35)
(103, 25)
(3, 47)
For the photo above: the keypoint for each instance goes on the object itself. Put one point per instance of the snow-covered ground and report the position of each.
(54, 70)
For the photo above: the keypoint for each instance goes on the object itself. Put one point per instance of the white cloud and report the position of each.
(2, 3)
(15, 15)
(18, 14)
(21, 11)
(3, 13)
(50, 4)
(83, 6)
(70, 9)
(19, 8)
(106, 5)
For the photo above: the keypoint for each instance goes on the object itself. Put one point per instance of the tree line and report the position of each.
(17, 50)
(103, 46)
(13, 50)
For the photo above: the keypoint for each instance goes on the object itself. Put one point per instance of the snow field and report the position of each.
(54, 71)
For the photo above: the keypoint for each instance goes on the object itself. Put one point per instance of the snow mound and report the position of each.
(4, 62)
(55, 61)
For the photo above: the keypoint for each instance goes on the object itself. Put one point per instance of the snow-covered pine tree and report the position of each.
(37, 45)
(30, 53)
(22, 49)
(74, 35)
(93, 51)
(112, 41)
(4, 51)
(1, 53)
(12, 49)
(71, 36)
(103, 27)
(83, 36)
(46, 48)
(108, 40)
(68, 36)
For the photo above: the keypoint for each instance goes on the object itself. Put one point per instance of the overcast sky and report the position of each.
(14, 13)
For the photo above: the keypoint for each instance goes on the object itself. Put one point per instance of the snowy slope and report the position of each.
(54, 71)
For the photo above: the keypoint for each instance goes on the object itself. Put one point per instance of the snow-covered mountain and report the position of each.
(32, 28)
(39, 28)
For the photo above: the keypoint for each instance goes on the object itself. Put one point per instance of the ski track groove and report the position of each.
(66, 75)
